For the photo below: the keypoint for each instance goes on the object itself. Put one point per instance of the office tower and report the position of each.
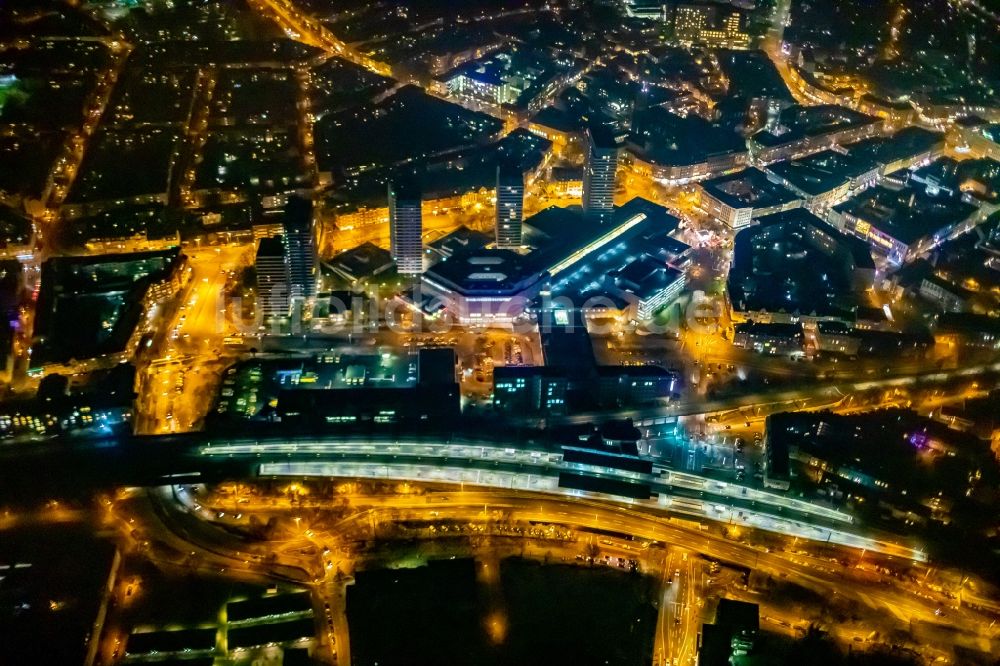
(273, 278)
(510, 205)
(599, 169)
(710, 24)
(406, 227)
(300, 248)
(690, 20)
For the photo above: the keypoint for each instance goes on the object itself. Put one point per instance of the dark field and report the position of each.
(551, 614)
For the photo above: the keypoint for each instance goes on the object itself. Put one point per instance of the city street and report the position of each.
(189, 352)
(681, 564)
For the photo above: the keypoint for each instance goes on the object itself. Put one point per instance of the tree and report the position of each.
(816, 649)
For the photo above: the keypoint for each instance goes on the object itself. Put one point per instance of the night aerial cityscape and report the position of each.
(500, 332)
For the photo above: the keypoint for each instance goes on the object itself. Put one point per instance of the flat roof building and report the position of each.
(650, 282)
(269, 608)
(969, 329)
(91, 310)
(675, 149)
(769, 338)
(777, 469)
(739, 198)
(733, 635)
(571, 378)
(794, 267)
(436, 367)
(362, 263)
(825, 178)
(486, 286)
(459, 240)
(905, 148)
(495, 286)
(801, 130)
(901, 224)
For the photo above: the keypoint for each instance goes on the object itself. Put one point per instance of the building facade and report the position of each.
(273, 278)
(300, 248)
(406, 228)
(709, 25)
(510, 206)
(769, 338)
(599, 169)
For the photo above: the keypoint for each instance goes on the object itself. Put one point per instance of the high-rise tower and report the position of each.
(273, 281)
(406, 227)
(510, 205)
(300, 248)
(600, 166)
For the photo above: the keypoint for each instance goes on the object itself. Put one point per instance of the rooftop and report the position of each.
(524, 71)
(485, 271)
(272, 246)
(667, 139)
(795, 262)
(905, 143)
(337, 84)
(645, 277)
(447, 174)
(409, 125)
(262, 607)
(906, 214)
(108, 170)
(738, 615)
(821, 172)
(978, 177)
(15, 228)
(278, 632)
(166, 642)
(461, 239)
(907, 460)
(968, 323)
(752, 75)
(280, 52)
(561, 237)
(558, 120)
(89, 306)
(799, 122)
(363, 262)
(770, 330)
(749, 188)
(569, 347)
